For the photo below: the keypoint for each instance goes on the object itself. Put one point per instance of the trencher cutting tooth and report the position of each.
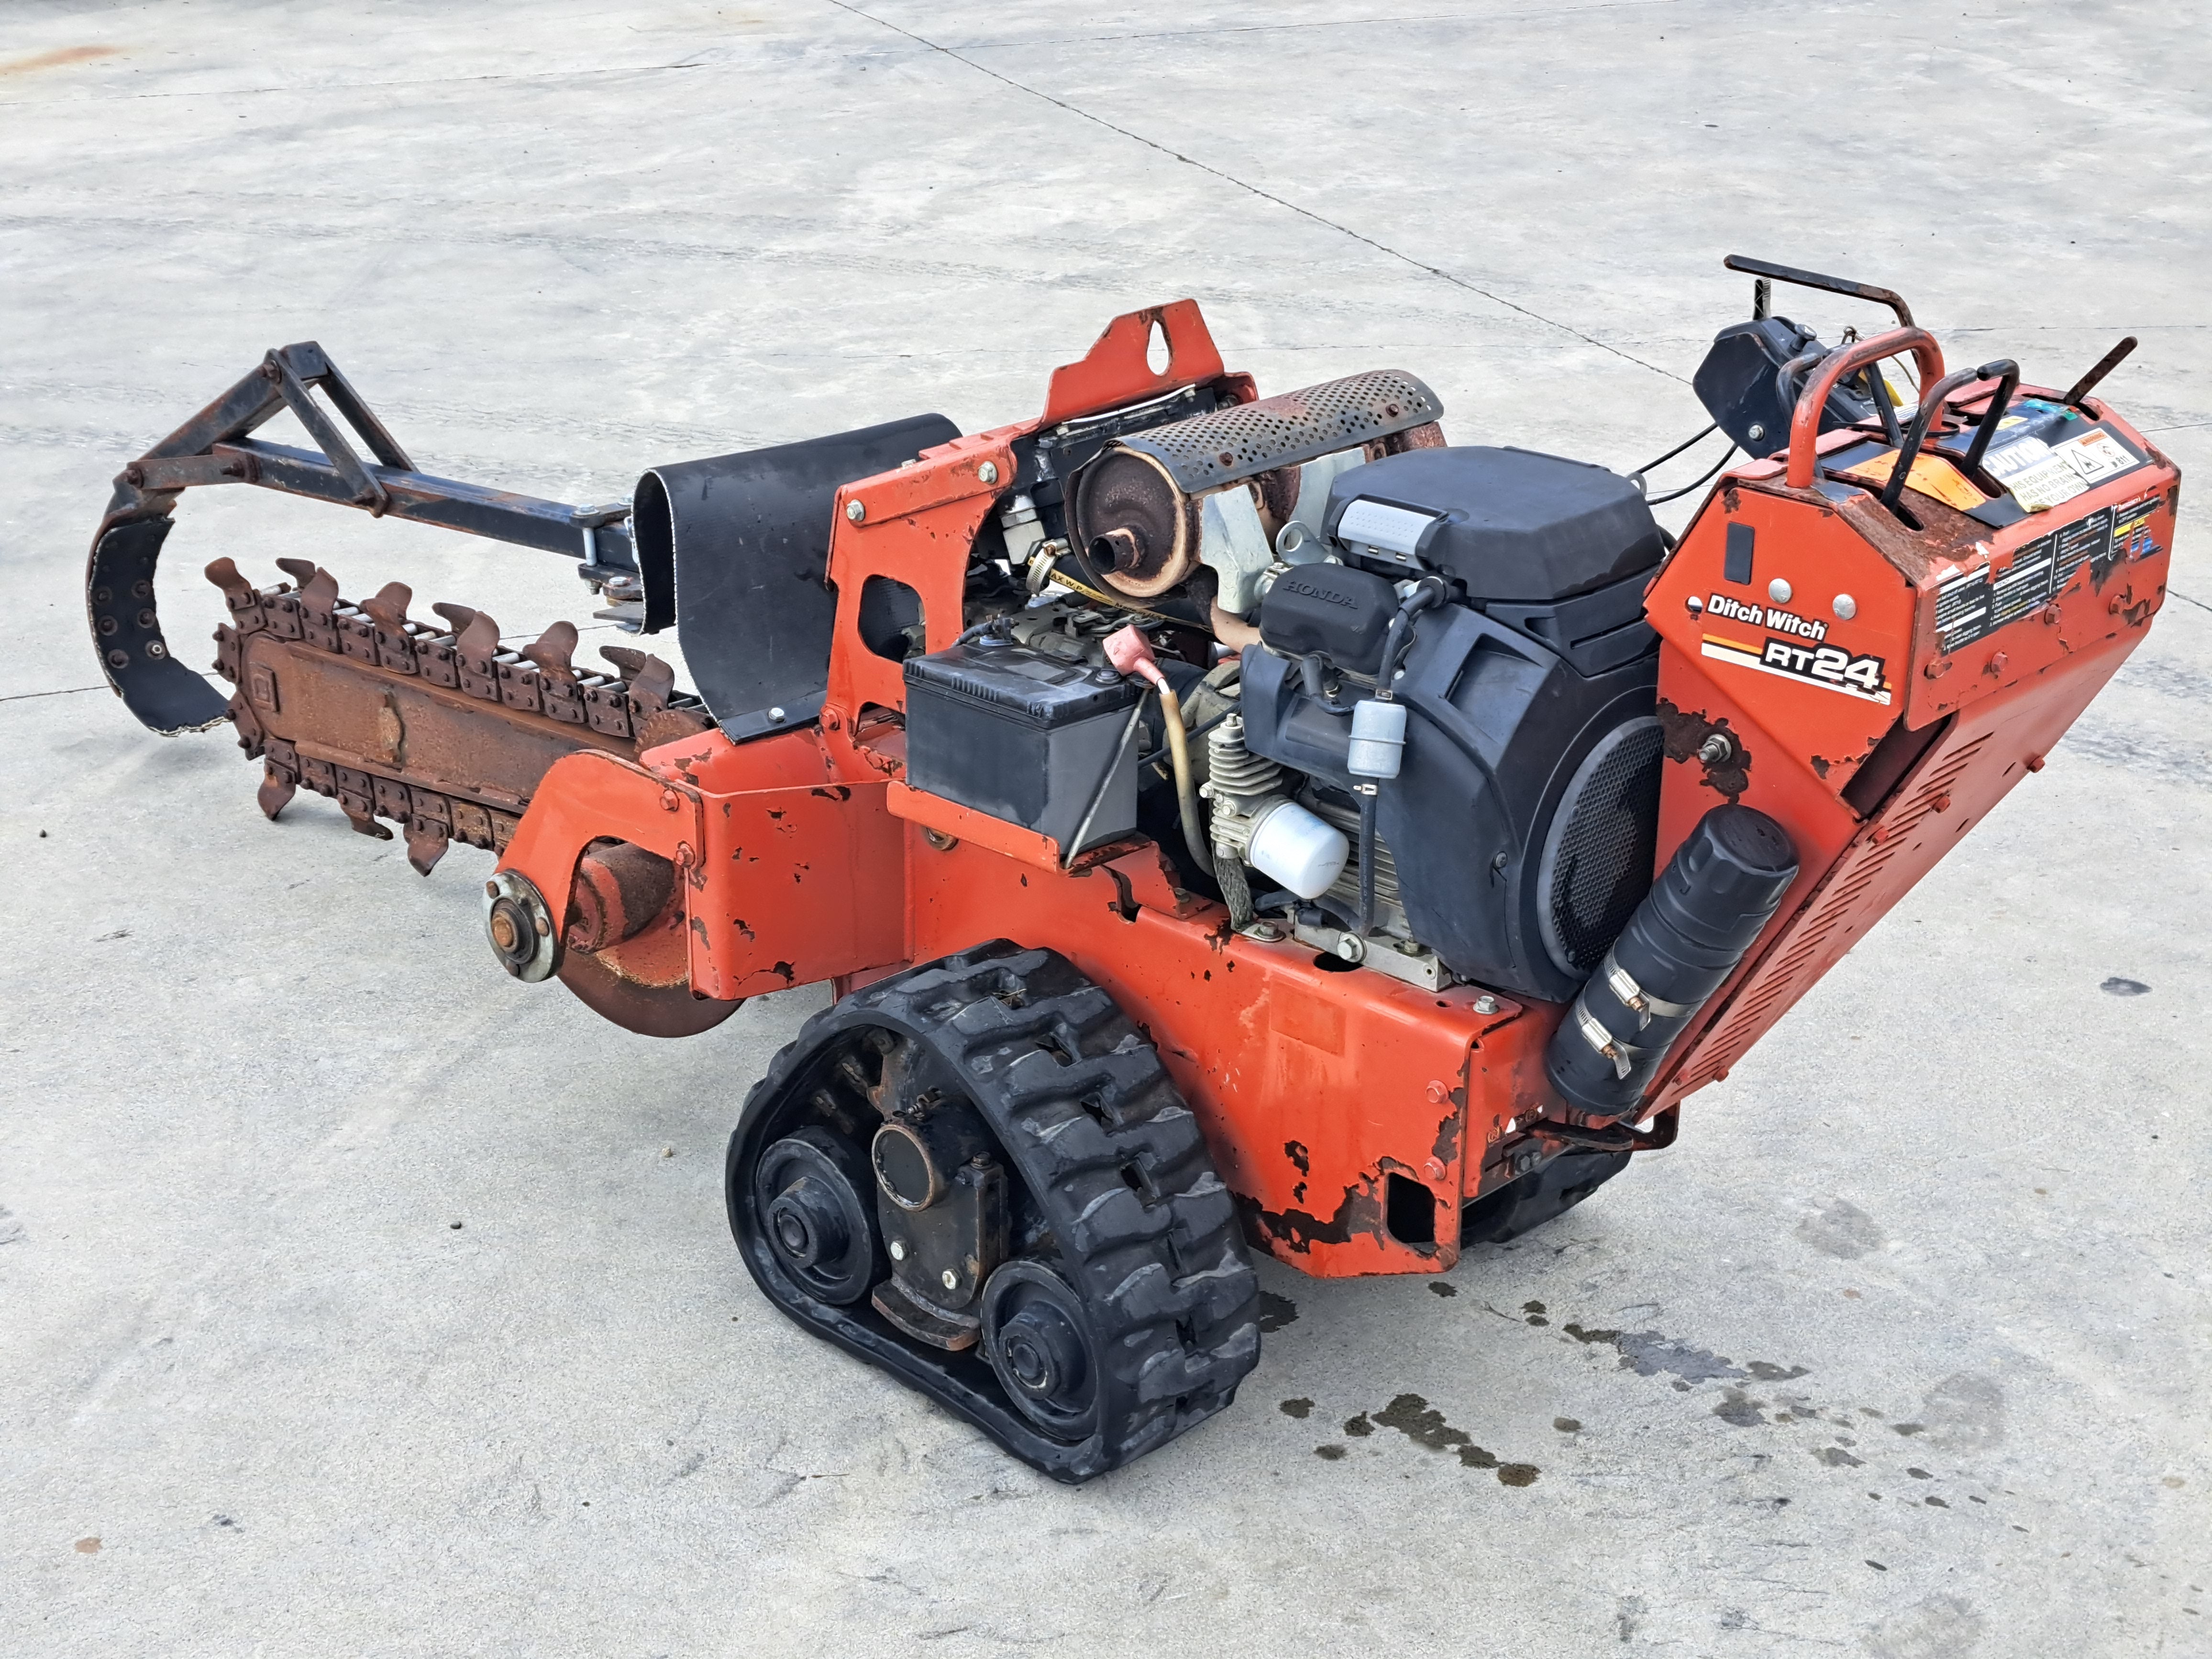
(291, 649)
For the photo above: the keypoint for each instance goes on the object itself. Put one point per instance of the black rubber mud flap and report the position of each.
(1113, 1195)
(734, 551)
(1541, 1196)
(119, 594)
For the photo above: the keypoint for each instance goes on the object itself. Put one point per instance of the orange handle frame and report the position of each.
(1805, 421)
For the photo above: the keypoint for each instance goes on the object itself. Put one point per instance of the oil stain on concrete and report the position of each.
(1411, 1416)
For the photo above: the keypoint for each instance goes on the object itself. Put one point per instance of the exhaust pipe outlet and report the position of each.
(1713, 898)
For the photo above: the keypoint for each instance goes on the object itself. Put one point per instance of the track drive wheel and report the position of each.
(977, 1175)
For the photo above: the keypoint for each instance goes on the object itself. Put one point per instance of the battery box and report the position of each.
(1020, 736)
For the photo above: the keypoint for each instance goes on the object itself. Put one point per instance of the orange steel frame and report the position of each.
(804, 859)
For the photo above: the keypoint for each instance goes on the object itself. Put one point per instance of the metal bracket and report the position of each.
(216, 446)
(296, 368)
(1657, 1132)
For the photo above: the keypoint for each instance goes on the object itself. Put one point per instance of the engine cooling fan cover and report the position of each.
(1598, 852)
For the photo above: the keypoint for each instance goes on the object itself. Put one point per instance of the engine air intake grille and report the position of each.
(1204, 452)
(1597, 859)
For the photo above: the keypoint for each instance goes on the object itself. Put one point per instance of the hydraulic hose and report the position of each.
(1131, 653)
(1194, 825)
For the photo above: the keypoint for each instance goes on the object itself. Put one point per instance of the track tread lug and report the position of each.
(1076, 1094)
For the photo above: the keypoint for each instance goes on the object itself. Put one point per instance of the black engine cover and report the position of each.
(1507, 525)
(1524, 822)
(1522, 886)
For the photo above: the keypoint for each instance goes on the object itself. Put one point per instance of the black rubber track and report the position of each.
(1541, 1196)
(1136, 1217)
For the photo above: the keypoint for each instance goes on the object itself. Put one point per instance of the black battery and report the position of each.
(1017, 735)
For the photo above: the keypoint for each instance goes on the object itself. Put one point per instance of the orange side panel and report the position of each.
(949, 818)
(1805, 692)
(1826, 687)
(1973, 766)
(587, 796)
(919, 526)
(789, 876)
(1314, 1086)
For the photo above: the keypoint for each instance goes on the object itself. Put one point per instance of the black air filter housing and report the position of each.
(1504, 524)
(1332, 609)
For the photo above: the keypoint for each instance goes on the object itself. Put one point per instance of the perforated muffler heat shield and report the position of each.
(1204, 452)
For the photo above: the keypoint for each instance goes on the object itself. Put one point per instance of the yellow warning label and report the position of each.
(1931, 475)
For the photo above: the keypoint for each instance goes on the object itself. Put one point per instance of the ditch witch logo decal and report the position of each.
(1803, 657)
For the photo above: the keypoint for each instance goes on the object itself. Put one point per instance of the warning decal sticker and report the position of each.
(1971, 605)
(2042, 475)
(1962, 611)
(1931, 475)
(2097, 455)
(2131, 537)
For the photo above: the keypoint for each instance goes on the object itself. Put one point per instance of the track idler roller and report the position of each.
(1055, 1257)
(1041, 1349)
(810, 1194)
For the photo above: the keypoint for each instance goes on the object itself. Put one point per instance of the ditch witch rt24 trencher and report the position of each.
(1226, 823)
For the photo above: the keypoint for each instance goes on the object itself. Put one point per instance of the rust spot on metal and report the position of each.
(1449, 1131)
(1684, 735)
(620, 890)
(393, 715)
(1296, 1152)
(1360, 1215)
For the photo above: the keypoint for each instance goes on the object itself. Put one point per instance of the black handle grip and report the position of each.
(1931, 408)
(2008, 384)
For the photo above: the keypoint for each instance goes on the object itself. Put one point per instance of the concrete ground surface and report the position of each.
(355, 1299)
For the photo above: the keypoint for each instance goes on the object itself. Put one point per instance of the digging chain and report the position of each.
(639, 703)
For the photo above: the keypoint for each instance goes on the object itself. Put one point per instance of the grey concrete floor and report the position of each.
(254, 1074)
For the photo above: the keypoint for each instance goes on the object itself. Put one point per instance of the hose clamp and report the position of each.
(1622, 984)
(1595, 1034)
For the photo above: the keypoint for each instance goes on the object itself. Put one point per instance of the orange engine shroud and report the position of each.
(1330, 1096)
